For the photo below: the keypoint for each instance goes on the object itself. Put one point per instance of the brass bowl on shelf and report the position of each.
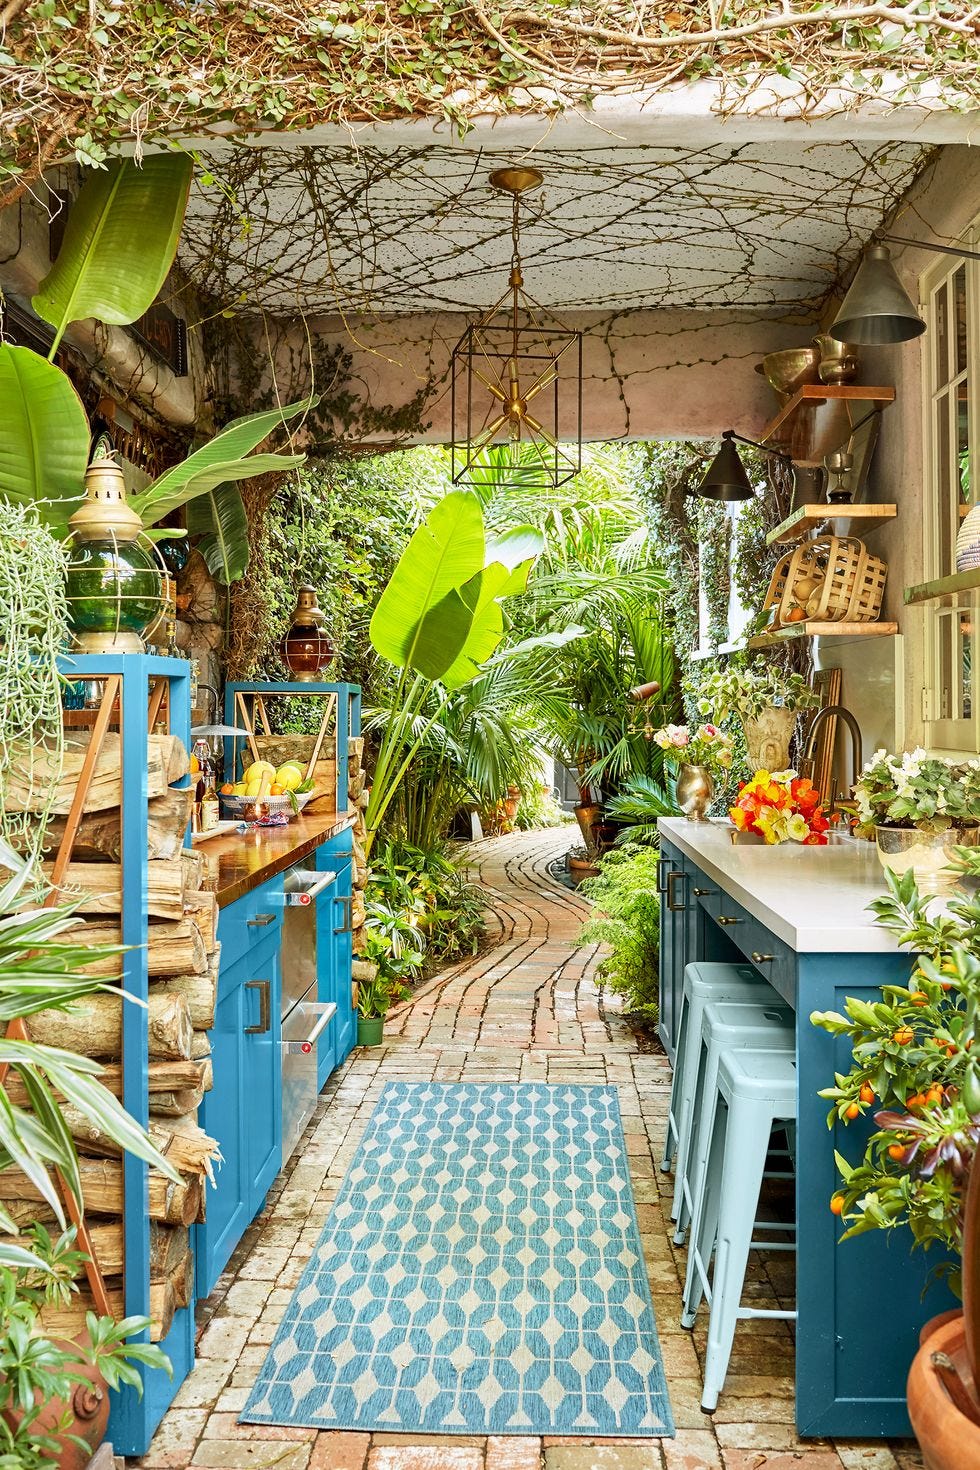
(787, 371)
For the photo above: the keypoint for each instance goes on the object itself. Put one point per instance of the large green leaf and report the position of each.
(218, 519)
(120, 241)
(421, 621)
(44, 435)
(219, 460)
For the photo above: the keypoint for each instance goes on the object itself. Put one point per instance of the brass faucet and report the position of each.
(857, 753)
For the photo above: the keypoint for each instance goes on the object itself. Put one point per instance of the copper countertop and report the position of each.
(239, 862)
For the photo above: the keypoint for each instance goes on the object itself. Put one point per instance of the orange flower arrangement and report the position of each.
(781, 807)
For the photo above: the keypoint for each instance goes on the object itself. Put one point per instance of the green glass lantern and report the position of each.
(114, 586)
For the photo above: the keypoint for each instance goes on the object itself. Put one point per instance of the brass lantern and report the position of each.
(306, 649)
(517, 379)
(113, 582)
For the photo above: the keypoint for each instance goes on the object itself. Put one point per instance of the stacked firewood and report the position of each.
(357, 794)
(183, 956)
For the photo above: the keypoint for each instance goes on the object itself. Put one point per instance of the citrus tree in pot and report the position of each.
(916, 1070)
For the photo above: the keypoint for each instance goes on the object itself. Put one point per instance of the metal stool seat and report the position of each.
(702, 983)
(762, 1022)
(756, 1090)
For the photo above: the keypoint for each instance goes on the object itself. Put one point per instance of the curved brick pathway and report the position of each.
(526, 1008)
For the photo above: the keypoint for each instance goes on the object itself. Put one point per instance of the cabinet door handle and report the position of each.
(758, 958)
(704, 892)
(347, 899)
(663, 863)
(673, 902)
(727, 919)
(260, 921)
(264, 987)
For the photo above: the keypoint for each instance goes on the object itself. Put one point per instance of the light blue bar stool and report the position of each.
(762, 1021)
(757, 1091)
(703, 982)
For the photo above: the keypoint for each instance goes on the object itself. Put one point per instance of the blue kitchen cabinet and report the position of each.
(243, 1110)
(334, 954)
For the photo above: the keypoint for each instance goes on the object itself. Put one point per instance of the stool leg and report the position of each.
(691, 1179)
(676, 1088)
(705, 1223)
(746, 1145)
(687, 1113)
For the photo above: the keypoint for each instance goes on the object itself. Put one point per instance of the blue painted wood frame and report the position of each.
(348, 719)
(133, 1419)
(859, 1302)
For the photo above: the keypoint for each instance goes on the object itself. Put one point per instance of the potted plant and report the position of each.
(395, 945)
(921, 808)
(51, 1390)
(766, 699)
(698, 755)
(915, 1065)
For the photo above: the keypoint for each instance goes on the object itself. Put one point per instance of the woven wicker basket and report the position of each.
(830, 579)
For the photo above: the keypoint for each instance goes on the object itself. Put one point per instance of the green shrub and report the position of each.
(422, 910)
(627, 918)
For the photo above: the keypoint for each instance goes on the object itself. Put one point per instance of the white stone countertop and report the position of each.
(813, 898)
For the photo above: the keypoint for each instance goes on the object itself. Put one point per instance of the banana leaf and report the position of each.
(44, 435)
(120, 241)
(421, 621)
(221, 459)
(217, 518)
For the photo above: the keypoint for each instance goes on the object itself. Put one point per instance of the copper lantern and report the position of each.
(306, 648)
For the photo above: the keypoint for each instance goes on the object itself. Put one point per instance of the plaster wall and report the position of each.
(648, 374)
(879, 672)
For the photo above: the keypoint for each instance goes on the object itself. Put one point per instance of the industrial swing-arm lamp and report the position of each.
(726, 478)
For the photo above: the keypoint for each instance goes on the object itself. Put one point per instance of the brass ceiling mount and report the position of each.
(516, 180)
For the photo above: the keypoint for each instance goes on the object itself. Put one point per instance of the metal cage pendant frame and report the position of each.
(508, 373)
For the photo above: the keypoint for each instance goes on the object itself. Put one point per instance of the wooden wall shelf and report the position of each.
(811, 628)
(943, 587)
(820, 417)
(859, 519)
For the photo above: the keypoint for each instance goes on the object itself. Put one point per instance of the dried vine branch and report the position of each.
(78, 77)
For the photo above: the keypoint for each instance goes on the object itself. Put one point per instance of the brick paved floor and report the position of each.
(527, 1008)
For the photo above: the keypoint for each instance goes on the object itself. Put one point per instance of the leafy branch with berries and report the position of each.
(914, 1070)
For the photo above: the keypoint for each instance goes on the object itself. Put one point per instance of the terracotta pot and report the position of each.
(89, 1404)
(587, 814)
(947, 1437)
(767, 737)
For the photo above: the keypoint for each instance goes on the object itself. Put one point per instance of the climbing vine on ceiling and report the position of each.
(79, 76)
(761, 227)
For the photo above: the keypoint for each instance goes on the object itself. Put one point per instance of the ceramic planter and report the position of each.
(929, 855)
(694, 789)
(88, 1410)
(767, 737)
(370, 1030)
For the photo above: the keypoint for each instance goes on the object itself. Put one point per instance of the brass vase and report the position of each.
(694, 789)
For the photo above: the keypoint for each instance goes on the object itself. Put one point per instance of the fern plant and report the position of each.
(627, 919)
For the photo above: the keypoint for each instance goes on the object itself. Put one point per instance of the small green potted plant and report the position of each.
(395, 945)
(766, 699)
(921, 808)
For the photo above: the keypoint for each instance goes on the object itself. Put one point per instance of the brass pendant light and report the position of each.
(517, 379)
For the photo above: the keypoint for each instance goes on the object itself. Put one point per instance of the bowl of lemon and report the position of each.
(265, 790)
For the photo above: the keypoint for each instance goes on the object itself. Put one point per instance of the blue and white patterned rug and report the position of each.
(480, 1272)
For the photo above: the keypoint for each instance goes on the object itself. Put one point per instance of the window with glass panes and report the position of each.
(952, 298)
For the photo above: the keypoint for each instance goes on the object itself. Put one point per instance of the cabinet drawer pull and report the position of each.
(673, 902)
(758, 958)
(729, 919)
(264, 987)
(663, 863)
(704, 892)
(347, 899)
(260, 921)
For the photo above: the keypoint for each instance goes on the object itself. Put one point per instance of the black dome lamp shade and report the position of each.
(726, 478)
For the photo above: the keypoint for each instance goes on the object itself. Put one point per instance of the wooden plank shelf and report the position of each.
(820, 418)
(859, 519)
(812, 628)
(943, 587)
